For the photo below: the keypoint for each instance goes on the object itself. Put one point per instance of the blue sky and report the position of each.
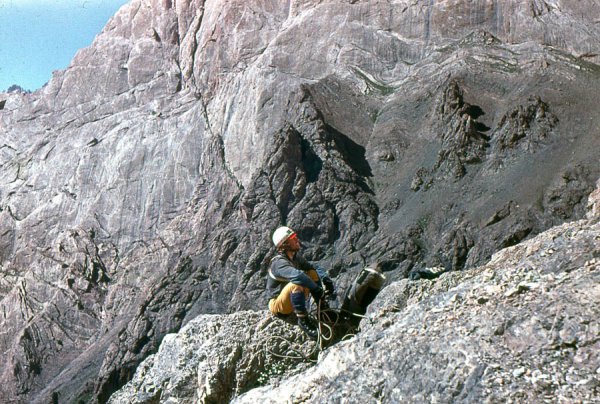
(40, 36)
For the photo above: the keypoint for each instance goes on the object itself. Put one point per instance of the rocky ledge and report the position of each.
(522, 328)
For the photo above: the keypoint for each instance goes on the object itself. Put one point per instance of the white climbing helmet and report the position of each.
(281, 235)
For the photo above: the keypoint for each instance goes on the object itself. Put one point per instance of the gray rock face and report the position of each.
(522, 328)
(139, 187)
(215, 357)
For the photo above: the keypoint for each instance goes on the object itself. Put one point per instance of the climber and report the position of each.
(292, 279)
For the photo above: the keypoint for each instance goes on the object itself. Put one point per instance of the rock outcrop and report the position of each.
(139, 187)
(522, 328)
(216, 357)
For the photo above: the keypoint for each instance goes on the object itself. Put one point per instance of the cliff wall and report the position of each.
(140, 186)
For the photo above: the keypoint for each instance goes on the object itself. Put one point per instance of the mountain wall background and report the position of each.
(140, 186)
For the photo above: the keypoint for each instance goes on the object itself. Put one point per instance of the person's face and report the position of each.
(293, 244)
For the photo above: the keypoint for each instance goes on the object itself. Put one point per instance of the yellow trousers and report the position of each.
(282, 304)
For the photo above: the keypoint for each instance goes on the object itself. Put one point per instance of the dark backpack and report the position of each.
(362, 292)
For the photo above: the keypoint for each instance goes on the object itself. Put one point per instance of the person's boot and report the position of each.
(308, 327)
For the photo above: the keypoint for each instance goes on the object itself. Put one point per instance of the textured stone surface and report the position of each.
(139, 187)
(215, 357)
(522, 328)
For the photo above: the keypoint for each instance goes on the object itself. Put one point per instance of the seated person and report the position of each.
(292, 279)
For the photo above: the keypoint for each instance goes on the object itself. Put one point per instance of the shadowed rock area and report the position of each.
(140, 186)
